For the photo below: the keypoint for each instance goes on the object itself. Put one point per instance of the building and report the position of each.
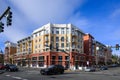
(10, 50)
(108, 55)
(89, 49)
(1, 57)
(63, 44)
(24, 49)
(55, 44)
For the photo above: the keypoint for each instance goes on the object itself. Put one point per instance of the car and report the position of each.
(53, 69)
(2, 67)
(90, 69)
(103, 68)
(114, 65)
(11, 67)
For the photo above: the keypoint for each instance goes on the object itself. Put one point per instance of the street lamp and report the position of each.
(97, 48)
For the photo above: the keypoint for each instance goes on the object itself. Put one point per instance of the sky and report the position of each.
(100, 18)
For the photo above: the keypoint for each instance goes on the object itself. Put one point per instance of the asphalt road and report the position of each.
(26, 74)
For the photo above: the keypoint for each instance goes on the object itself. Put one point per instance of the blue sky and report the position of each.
(100, 18)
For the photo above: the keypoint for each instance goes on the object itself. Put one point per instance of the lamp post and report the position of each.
(97, 48)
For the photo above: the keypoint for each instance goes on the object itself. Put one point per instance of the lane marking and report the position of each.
(7, 75)
(16, 77)
(24, 79)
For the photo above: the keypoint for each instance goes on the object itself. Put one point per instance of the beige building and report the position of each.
(10, 50)
(66, 41)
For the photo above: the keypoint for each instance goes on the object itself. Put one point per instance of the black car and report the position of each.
(11, 67)
(53, 69)
(103, 68)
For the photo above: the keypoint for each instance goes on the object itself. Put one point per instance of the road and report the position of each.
(111, 74)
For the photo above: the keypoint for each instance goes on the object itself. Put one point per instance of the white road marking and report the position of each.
(16, 77)
(24, 79)
(7, 75)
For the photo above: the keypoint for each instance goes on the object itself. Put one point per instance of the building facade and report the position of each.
(54, 44)
(10, 50)
(89, 49)
(63, 44)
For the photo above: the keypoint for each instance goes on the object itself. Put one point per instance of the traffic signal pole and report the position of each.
(5, 12)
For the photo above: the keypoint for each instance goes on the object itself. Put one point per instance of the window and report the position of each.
(62, 30)
(57, 44)
(39, 40)
(67, 30)
(62, 39)
(60, 58)
(67, 45)
(41, 58)
(34, 58)
(57, 39)
(57, 30)
(35, 35)
(36, 47)
(62, 45)
(66, 38)
(52, 38)
(46, 38)
(36, 41)
(66, 57)
(46, 32)
(53, 58)
(39, 33)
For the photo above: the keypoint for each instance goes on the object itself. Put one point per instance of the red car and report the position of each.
(2, 67)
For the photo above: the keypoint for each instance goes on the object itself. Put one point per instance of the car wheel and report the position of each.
(9, 70)
(62, 72)
(41, 72)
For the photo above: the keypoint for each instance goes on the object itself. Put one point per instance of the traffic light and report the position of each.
(1, 27)
(117, 46)
(9, 18)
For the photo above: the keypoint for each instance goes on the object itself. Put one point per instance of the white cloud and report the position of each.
(28, 15)
(43, 11)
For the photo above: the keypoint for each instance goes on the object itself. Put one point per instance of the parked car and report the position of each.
(103, 68)
(114, 65)
(90, 69)
(53, 69)
(11, 67)
(2, 67)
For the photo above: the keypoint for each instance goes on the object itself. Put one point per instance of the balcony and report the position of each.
(47, 40)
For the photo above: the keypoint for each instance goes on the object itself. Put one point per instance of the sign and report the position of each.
(87, 62)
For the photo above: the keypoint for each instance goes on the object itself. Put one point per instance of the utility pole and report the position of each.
(8, 14)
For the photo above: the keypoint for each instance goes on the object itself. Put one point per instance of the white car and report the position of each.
(90, 69)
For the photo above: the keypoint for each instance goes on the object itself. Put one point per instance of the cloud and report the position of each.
(43, 11)
(28, 15)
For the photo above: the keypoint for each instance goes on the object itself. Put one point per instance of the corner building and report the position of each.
(58, 44)
(54, 44)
